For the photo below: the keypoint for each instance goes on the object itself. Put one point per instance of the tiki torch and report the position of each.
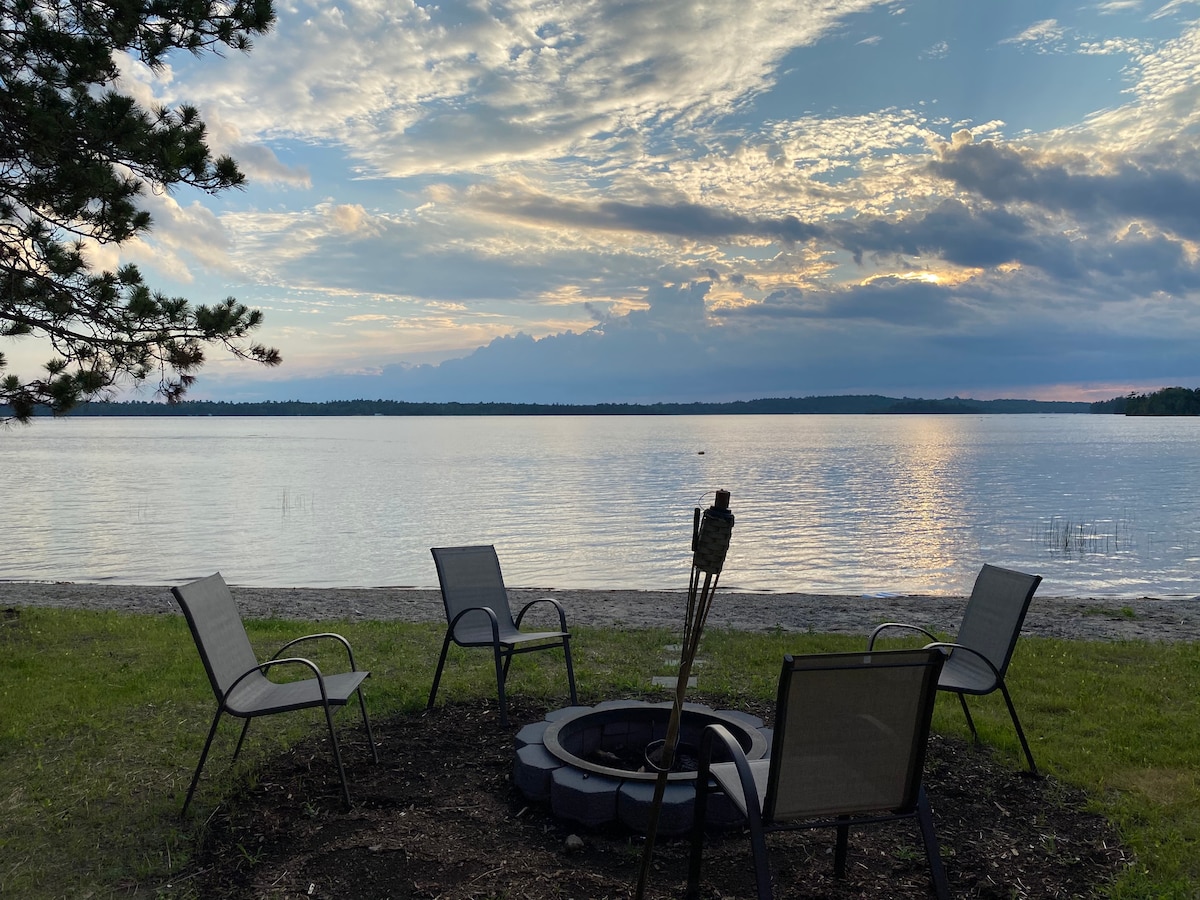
(710, 542)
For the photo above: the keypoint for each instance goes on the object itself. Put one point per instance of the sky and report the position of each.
(581, 201)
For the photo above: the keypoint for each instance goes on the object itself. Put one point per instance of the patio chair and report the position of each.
(848, 750)
(977, 659)
(478, 615)
(240, 681)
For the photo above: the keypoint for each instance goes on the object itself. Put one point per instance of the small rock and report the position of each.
(573, 843)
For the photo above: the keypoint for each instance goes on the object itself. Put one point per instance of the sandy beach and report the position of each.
(1143, 618)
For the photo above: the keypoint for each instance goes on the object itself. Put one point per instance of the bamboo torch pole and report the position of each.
(710, 543)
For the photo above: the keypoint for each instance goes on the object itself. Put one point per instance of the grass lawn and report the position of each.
(102, 716)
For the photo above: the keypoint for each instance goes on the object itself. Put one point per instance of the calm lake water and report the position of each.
(1098, 505)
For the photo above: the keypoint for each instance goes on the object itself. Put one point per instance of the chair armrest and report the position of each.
(949, 648)
(562, 616)
(324, 634)
(491, 614)
(886, 625)
(263, 667)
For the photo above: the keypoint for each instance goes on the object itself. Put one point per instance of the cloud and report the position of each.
(892, 300)
(413, 90)
(939, 50)
(1046, 36)
(1131, 188)
(681, 219)
(655, 200)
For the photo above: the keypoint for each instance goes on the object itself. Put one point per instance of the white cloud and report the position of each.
(410, 89)
(1046, 36)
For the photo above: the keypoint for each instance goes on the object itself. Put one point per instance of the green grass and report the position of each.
(102, 716)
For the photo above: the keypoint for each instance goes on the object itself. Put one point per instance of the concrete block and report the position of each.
(582, 797)
(635, 798)
(532, 768)
(530, 734)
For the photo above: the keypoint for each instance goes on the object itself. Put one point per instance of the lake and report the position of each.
(1098, 505)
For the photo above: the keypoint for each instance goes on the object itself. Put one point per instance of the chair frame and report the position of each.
(997, 667)
(330, 695)
(504, 636)
(759, 806)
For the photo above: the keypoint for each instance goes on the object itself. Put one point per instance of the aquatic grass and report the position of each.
(299, 503)
(102, 716)
(1061, 535)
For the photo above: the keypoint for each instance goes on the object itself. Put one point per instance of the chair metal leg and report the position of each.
(1012, 711)
(508, 658)
(337, 756)
(241, 739)
(200, 765)
(758, 846)
(362, 704)
(936, 869)
(501, 677)
(840, 850)
(699, 810)
(970, 722)
(570, 671)
(437, 676)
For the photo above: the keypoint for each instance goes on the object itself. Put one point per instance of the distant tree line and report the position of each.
(1171, 401)
(839, 405)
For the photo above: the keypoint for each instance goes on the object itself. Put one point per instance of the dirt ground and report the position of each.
(440, 818)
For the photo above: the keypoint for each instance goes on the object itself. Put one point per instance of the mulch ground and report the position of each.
(440, 818)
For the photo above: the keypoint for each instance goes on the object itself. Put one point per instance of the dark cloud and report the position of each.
(1169, 197)
(953, 231)
(688, 220)
(902, 302)
(965, 235)
(1136, 265)
(1009, 214)
(679, 305)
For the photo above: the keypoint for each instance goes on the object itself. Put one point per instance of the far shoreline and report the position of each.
(1072, 618)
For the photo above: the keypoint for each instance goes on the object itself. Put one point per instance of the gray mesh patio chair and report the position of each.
(848, 750)
(978, 657)
(240, 681)
(478, 615)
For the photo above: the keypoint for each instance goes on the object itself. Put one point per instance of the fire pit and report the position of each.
(589, 763)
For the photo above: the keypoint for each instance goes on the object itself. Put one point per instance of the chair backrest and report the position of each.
(470, 577)
(995, 613)
(850, 733)
(217, 628)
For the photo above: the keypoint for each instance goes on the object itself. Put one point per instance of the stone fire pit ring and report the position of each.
(568, 759)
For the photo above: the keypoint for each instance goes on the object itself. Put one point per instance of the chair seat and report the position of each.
(482, 637)
(259, 696)
(726, 776)
(967, 673)
(835, 788)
